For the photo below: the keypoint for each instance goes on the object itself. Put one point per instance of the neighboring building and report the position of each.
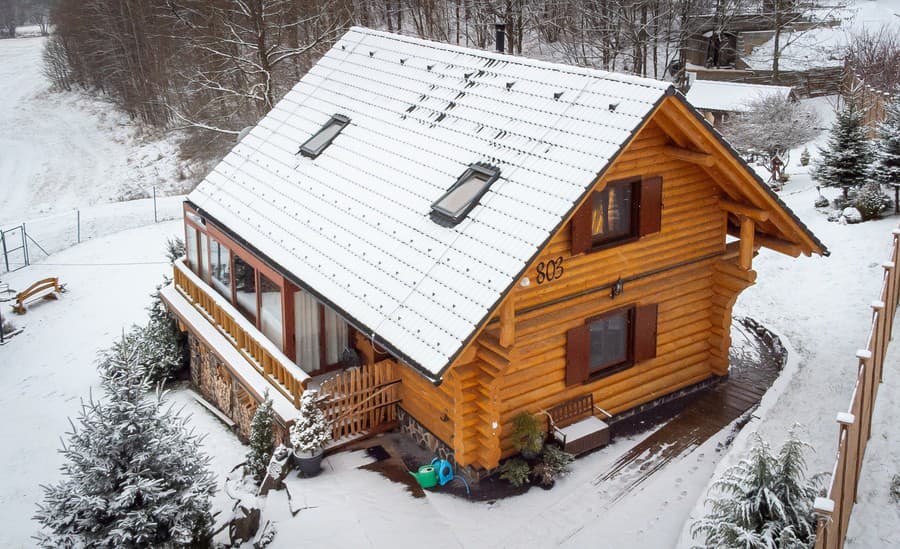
(483, 234)
(719, 100)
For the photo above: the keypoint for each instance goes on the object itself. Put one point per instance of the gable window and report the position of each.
(624, 210)
(610, 343)
(314, 146)
(450, 209)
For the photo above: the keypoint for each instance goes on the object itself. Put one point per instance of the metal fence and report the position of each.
(855, 425)
(28, 241)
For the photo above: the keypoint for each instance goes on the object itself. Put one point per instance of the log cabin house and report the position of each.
(439, 238)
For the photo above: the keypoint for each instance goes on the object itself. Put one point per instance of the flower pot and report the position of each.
(309, 463)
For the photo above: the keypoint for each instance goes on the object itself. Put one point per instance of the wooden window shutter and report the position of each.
(645, 332)
(578, 354)
(581, 227)
(650, 202)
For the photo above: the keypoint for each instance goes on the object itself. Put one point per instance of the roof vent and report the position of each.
(450, 209)
(314, 146)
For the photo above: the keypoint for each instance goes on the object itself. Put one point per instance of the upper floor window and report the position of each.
(624, 210)
(463, 196)
(314, 146)
(610, 342)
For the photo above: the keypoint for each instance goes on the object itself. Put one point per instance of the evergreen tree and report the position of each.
(846, 159)
(262, 440)
(764, 502)
(134, 475)
(310, 431)
(886, 169)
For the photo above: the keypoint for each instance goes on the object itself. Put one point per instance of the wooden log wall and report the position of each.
(518, 362)
(675, 268)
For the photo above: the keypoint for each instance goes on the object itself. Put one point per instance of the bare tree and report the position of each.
(769, 129)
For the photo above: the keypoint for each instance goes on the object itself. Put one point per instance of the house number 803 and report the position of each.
(550, 270)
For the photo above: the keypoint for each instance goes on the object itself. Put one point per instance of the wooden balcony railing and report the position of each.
(286, 377)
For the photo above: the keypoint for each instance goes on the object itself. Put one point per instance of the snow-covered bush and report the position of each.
(886, 168)
(846, 158)
(804, 157)
(851, 215)
(134, 475)
(765, 501)
(821, 202)
(554, 463)
(870, 201)
(310, 432)
(262, 440)
(515, 471)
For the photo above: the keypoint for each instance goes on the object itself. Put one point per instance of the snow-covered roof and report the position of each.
(711, 95)
(353, 224)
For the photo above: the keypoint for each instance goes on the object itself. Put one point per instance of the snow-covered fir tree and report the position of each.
(310, 431)
(162, 343)
(134, 475)
(262, 440)
(846, 158)
(764, 502)
(886, 168)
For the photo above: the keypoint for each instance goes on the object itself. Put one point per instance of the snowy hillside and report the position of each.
(66, 150)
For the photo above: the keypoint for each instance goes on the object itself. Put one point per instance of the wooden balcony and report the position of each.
(259, 353)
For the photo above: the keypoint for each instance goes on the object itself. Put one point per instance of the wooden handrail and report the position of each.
(278, 370)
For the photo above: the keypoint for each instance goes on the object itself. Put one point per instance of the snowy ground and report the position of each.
(819, 305)
(68, 150)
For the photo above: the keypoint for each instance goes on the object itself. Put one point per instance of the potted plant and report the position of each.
(527, 435)
(309, 435)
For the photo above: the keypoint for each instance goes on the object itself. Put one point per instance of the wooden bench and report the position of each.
(46, 288)
(574, 425)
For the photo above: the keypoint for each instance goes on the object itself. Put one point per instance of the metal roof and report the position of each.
(353, 224)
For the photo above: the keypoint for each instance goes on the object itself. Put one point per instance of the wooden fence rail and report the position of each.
(855, 425)
(361, 401)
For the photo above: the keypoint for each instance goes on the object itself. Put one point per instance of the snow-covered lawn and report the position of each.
(50, 367)
(819, 305)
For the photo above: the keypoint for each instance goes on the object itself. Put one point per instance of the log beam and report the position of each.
(687, 155)
(736, 208)
(779, 245)
(748, 228)
(508, 322)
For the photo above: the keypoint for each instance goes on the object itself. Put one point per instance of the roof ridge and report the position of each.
(520, 60)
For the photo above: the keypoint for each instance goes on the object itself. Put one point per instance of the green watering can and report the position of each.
(426, 477)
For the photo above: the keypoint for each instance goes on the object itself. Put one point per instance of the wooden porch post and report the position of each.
(508, 321)
(748, 229)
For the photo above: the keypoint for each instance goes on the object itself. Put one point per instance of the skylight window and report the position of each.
(450, 209)
(314, 146)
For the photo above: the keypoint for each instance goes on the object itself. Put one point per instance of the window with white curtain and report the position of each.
(336, 336)
(306, 331)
